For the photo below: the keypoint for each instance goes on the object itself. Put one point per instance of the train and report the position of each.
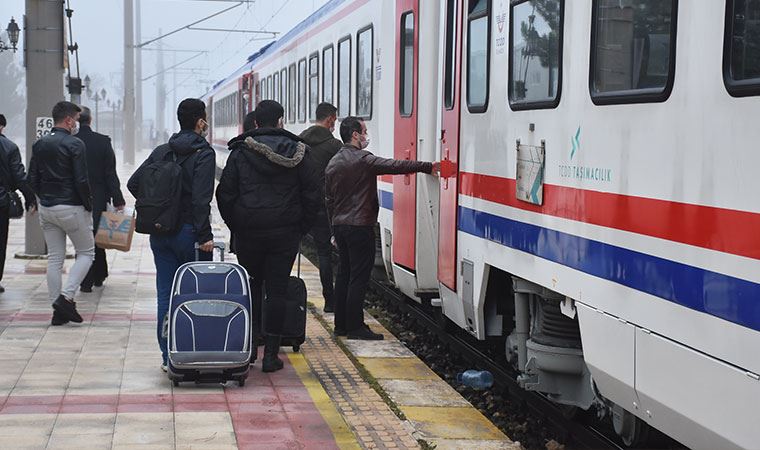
(597, 210)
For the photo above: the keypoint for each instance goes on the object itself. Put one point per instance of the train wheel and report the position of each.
(633, 431)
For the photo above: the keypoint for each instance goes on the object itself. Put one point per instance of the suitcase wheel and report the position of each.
(176, 383)
(296, 348)
(241, 382)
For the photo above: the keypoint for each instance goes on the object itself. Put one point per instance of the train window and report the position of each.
(292, 92)
(327, 74)
(535, 52)
(478, 46)
(284, 92)
(450, 67)
(313, 85)
(344, 77)
(406, 96)
(270, 88)
(741, 57)
(364, 51)
(633, 47)
(302, 90)
(276, 84)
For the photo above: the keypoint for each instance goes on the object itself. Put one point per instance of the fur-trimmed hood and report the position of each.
(274, 157)
(271, 149)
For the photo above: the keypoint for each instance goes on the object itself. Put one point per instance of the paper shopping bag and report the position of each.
(115, 231)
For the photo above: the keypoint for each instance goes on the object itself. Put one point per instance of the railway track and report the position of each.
(572, 433)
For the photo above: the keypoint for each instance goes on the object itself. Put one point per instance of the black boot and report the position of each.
(271, 362)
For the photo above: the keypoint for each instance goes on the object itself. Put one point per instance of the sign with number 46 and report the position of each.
(44, 126)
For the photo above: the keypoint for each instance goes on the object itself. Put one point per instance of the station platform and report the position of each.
(99, 384)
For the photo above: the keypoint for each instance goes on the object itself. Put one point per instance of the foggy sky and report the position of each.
(98, 29)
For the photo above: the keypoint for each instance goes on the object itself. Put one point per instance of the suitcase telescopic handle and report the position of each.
(217, 244)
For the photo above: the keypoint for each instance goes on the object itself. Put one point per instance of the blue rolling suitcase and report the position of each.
(209, 324)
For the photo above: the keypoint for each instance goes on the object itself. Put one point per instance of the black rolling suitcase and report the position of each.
(293, 328)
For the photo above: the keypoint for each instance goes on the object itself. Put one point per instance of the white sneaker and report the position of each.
(164, 368)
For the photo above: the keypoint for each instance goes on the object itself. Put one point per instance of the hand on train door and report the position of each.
(436, 169)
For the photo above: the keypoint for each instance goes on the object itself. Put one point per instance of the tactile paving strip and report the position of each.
(369, 417)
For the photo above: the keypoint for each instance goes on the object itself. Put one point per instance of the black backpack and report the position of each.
(159, 198)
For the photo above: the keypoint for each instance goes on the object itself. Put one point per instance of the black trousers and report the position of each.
(321, 234)
(99, 269)
(268, 259)
(356, 245)
(4, 221)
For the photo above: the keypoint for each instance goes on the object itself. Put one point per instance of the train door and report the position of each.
(449, 188)
(405, 139)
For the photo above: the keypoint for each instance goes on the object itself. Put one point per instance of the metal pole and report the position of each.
(138, 78)
(160, 93)
(129, 83)
(43, 58)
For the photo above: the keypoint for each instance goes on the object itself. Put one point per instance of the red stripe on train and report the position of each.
(723, 230)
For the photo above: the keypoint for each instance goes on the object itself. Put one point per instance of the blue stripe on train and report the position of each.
(386, 199)
(720, 295)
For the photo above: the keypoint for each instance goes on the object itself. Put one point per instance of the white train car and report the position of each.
(596, 210)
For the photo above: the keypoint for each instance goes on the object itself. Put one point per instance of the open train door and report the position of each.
(450, 116)
(405, 139)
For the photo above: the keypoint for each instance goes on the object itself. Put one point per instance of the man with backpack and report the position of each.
(173, 189)
(268, 196)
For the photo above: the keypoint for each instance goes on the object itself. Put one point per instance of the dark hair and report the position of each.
(189, 111)
(85, 117)
(3, 122)
(62, 110)
(268, 113)
(325, 110)
(348, 126)
(249, 123)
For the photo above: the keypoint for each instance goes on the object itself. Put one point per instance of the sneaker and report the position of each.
(164, 367)
(328, 309)
(365, 334)
(58, 319)
(86, 289)
(67, 309)
(98, 284)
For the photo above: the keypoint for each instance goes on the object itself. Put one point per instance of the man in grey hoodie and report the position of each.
(324, 146)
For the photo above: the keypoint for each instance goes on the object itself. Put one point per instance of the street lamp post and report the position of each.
(96, 99)
(13, 32)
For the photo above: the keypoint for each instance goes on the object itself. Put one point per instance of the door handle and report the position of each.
(407, 157)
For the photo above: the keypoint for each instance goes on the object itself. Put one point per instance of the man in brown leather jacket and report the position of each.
(352, 206)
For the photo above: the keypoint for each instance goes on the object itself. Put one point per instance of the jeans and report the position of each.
(4, 222)
(268, 260)
(169, 252)
(321, 235)
(356, 245)
(75, 222)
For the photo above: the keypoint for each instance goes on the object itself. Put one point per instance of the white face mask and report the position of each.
(364, 143)
(75, 129)
(204, 131)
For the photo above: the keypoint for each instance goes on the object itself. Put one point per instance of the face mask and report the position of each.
(204, 131)
(364, 142)
(75, 128)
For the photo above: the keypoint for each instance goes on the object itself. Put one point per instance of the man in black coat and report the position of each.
(13, 177)
(269, 198)
(323, 146)
(104, 186)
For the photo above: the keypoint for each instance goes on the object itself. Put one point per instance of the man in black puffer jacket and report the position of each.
(268, 196)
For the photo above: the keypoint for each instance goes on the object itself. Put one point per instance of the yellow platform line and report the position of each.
(344, 438)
